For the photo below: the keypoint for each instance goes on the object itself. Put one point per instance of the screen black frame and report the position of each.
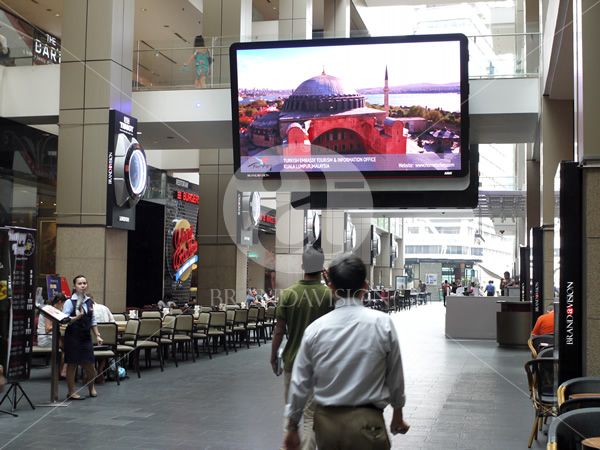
(409, 175)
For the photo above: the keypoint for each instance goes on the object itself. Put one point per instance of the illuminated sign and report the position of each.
(46, 48)
(268, 219)
(184, 249)
(187, 197)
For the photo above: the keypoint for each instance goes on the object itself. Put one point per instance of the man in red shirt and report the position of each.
(545, 323)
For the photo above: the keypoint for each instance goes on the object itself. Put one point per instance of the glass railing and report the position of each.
(159, 65)
(514, 55)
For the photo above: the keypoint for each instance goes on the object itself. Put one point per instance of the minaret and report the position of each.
(386, 95)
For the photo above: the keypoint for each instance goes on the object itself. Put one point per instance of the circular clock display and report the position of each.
(250, 209)
(136, 171)
(130, 171)
(316, 226)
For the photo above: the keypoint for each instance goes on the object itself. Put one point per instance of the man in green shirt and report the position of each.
(299, 306)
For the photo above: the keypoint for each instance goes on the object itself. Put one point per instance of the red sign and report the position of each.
(268, 219)
(184, 246)
(187, 197)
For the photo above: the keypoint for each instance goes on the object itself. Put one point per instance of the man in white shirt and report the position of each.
(350, 360)
(101, 312)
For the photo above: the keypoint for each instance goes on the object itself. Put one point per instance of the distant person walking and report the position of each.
(445, 289)
(299, 306)
(490, 289)
(202, 60)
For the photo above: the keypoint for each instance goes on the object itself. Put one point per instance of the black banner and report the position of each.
(122, 131)
(17, 287)
(537, 273)
(568, 239)
(524, 286)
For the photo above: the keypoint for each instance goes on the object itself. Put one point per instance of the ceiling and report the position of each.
(155, 20)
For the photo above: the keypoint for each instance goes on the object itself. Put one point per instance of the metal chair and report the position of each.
(569, 429)
(216, 329)
(147, 338)
(252, 324)
(183, 336)
(200, 333)
(108, 331)
(240, 323)
(540, 377)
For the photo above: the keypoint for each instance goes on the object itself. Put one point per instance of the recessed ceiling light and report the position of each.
(57, 15)
(144, 9)
(139, 132)
(155, 142)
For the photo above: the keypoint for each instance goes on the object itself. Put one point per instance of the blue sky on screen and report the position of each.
(360, 66)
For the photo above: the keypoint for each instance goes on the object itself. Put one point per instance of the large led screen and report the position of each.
(393, 107)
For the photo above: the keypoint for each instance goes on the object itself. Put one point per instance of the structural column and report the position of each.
(336, 18)
(96, 76)
(289, 241)
(225, 22)
(222, 264)
(295, 19)
(587, 95)
(557, 138)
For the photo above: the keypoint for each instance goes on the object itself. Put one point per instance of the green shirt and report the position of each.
(300, 305)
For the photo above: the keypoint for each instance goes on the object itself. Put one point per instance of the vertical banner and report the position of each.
(568, 239)
(537, 273)
(20, 295)
(5, 310)
(127, 171)
(524, 286)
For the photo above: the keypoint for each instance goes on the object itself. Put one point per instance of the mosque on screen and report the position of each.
(333, 117)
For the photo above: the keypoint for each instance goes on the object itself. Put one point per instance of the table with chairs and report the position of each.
(573, 407)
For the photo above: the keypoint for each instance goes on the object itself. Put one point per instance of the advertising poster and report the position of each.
(5, 317)
(18, 293)
(56, 285)
(127, 171)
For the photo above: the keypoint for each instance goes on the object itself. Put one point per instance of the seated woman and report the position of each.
(44, 328)
(269, 298)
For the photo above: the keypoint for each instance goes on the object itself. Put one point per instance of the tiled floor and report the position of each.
(460, 394)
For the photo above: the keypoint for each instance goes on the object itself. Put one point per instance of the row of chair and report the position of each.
(574, 419)
(182, 333)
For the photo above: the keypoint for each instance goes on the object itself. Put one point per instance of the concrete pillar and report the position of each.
(95, 76)
(533, 195)
(295, 19)
(222, 264)
(332, 235)
(336, 18)
(225, 22)
(587, 96)
(289, 240)
(557, 138)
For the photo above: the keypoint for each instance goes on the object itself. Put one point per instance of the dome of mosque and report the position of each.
(323, 94)
(324, 85)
